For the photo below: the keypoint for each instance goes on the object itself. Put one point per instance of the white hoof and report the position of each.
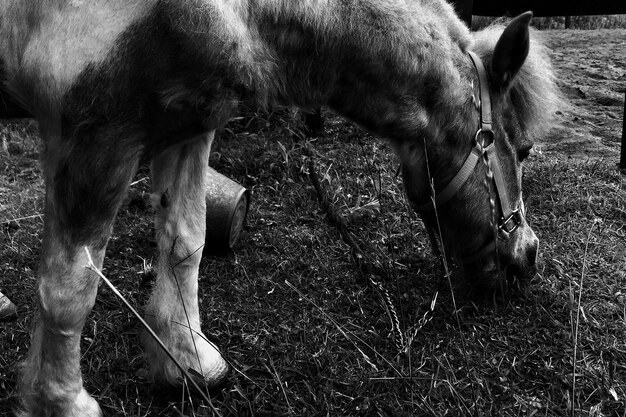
(82, 406)
(85, 406)
(203, 359)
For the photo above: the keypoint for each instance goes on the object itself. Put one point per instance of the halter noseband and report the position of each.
(484, 145)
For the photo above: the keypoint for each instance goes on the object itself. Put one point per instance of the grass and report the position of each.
(309, 336)
(294, 313)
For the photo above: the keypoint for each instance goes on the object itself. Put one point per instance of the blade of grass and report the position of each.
(577, 323)
(447, 269)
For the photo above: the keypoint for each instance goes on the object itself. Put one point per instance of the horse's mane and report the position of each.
(533, 93)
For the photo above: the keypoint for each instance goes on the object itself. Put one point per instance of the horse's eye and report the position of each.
(524, 152)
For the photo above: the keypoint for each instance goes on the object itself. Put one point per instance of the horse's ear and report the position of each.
(511, 51)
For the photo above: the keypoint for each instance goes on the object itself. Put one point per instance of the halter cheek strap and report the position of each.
(511, 217)
(456, 183)
(484, 144)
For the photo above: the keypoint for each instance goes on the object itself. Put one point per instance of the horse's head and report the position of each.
(473, 153)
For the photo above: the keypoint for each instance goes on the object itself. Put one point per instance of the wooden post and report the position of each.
(622, 160)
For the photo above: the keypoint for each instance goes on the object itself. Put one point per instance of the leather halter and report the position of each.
(484, 144)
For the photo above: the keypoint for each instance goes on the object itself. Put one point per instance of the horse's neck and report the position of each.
(362, 59)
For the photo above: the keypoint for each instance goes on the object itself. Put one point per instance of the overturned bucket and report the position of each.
(7, 308)
(227, 205)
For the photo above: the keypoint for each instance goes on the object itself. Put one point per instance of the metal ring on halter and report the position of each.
(484, 133)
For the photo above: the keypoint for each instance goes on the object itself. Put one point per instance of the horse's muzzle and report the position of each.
(525, 247)
(512, 263)
(520, 256)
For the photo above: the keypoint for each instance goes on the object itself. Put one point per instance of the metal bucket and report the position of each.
(7, 308)
(227, 205)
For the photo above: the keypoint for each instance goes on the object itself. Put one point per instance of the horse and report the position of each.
(114, 83)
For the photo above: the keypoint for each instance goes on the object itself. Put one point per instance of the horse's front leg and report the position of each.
(84, 188)
(179, 196)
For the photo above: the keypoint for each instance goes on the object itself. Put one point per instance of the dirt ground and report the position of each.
(591, 67)
(296, 353)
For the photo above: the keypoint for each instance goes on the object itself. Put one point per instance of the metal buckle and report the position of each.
(511, 223)
(485, 134)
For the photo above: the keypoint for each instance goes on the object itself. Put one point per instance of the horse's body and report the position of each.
(114, 82)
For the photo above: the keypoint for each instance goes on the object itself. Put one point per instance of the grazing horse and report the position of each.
(116, 82)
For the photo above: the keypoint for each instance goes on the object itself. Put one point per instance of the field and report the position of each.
(292, 307)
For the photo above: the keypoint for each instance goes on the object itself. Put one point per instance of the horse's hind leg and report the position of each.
(84, 189)
(179, 195)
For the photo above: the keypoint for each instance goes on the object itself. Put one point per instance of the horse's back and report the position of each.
(227, 43)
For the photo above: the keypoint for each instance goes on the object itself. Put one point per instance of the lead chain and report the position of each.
(340, 223)
(398, 335)
(402, 342)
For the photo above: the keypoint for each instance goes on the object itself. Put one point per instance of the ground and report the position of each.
(294, 313)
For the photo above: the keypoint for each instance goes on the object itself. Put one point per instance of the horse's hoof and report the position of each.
(85, 406)
(82, 406)
(202, 361)
(171, 390)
